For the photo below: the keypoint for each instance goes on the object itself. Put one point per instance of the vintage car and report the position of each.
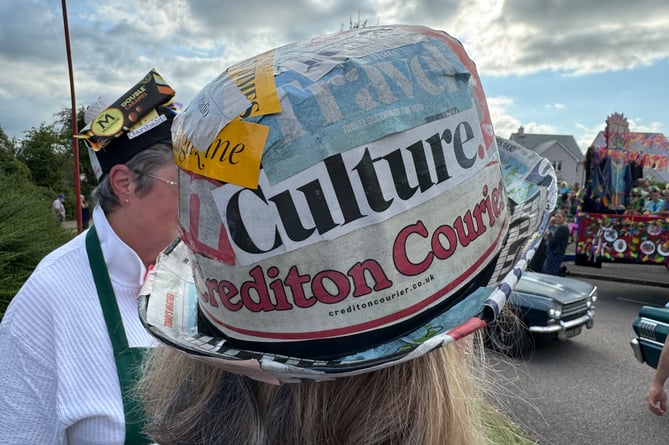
(651, 327)
(541, 305)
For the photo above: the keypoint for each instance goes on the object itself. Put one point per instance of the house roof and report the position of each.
(542, 142)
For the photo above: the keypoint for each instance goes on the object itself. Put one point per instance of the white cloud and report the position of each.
(190, 42)
(503, 123)
(638, 125)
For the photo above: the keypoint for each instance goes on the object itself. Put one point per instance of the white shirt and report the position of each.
(654, 207)
(58, 379)
(58, 207)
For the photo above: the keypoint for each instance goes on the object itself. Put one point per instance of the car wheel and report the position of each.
(508, 335)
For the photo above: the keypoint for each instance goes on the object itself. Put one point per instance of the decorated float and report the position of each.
(606, 232)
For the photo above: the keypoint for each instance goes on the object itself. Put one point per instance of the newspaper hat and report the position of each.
(344, 206)
(134, 122)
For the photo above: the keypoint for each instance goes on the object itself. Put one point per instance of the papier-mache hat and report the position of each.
(138, 119)
(344, 206)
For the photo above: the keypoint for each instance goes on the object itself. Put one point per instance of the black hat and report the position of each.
(121, 149)
(137, 120)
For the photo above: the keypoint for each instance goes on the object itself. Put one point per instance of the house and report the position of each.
(561, 150)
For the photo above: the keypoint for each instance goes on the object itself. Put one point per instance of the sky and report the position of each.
(550, 66)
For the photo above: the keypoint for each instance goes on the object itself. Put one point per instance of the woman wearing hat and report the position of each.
(350, 220)
(71, 341)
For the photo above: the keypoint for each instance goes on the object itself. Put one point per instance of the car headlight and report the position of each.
(555, 310)
(592, 298)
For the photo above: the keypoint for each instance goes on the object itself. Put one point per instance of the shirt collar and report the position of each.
(123, 264)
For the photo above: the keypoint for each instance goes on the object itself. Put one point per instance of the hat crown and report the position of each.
(344, 206)
(379, 200)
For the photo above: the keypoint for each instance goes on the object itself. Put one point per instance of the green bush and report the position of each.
(28, 231)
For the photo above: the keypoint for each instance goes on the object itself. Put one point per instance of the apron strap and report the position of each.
(128, 360)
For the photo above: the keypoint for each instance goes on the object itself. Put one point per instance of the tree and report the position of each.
(45, 154)
(64, 121)
(9, 164)
(28, 231)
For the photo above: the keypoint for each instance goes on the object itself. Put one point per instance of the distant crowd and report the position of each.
(642, 199)
(646, 199)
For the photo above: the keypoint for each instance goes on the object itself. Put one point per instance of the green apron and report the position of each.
(128, 360)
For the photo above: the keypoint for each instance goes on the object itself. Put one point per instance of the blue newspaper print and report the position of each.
(359, 100)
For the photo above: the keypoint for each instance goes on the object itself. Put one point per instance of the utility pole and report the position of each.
(75, 141)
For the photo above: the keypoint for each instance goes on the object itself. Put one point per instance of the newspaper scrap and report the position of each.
(129, 113)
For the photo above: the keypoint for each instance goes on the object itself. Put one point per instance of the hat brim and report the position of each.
(168, 302)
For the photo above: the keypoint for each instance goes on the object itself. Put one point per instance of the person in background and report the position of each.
(557, 240)
(563, 195)
(71, 341)
(665, 198)
(644, 187)
(572, 208)
(657, 395)
(665, 207)
(576, 196)
(58, 208)
(322, 301)
(636, 202)
(85, 212)
(654, 204)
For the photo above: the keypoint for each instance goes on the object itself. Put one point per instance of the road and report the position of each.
(589, 390)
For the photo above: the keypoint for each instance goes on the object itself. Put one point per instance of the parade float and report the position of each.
(607, 233)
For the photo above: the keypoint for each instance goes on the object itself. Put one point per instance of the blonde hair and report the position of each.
(433, 399)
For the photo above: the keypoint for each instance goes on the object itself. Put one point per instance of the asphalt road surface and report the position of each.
(589, 390)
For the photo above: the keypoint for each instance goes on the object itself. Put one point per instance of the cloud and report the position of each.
(502, 121)
(572, 36)
(114, 43)
(587, 135)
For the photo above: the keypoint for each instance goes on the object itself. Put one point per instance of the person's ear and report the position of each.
(121, 181)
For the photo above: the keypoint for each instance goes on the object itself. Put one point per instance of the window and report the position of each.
(557, 165)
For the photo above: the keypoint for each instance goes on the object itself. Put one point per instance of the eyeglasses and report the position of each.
(158, 178)
(634, 195)
(166, 181)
